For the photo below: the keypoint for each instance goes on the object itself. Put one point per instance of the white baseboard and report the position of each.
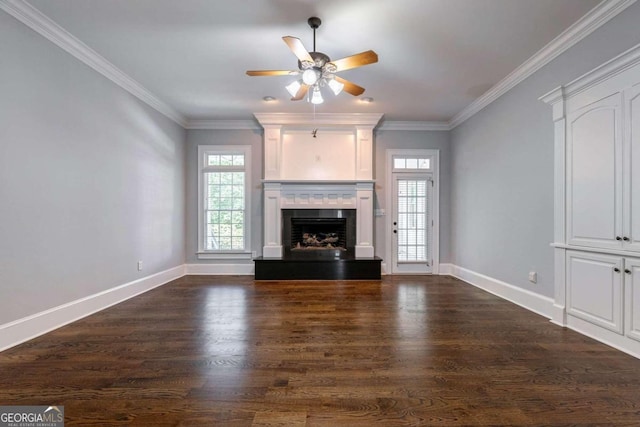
(605, 336)
(21, 330)
(220, 269)
(522, 297)
(445, 270)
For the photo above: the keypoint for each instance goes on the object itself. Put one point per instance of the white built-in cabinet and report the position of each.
(603, 136)
(597, 202)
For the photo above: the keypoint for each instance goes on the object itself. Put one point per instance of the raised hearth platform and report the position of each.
(317, 266)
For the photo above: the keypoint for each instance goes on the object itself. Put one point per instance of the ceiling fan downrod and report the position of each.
(314, 22)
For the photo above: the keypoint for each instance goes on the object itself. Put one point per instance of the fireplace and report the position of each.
(328, 231)
(318, 244)
(318, 197)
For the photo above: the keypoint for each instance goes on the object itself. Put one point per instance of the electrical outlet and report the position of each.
(533, 277)
(139, 265)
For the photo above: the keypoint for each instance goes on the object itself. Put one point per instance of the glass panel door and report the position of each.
(412, 223)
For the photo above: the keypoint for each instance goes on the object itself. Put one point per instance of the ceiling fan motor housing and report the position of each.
(319, 61)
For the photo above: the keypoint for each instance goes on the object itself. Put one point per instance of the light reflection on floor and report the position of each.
(224, 322)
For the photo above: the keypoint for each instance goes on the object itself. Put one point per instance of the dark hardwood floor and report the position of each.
(228, 351)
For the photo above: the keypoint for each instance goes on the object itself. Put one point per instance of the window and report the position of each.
(411, 163)
(224, 174)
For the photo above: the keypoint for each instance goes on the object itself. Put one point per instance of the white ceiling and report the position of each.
(436, 56)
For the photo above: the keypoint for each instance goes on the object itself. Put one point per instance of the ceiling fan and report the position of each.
(317, 70)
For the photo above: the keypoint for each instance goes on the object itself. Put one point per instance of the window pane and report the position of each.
(236, 217)
(213, 159)
(238, 204)
(399, 163)
(412, 214)
(237, 243)
(238, 160)
(213, 178)
(411, 163)
(224, 206)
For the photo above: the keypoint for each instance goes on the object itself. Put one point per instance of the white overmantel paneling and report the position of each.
(318, 146)
(321, 161)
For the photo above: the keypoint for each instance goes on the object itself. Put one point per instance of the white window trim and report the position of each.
(203, 151)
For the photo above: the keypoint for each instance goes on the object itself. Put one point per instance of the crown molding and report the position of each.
(43, 25)
(414, 126)
(223, 124)
(593, 20)
(321, 119)
(254, 125)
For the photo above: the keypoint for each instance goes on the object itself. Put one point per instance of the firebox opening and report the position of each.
(318, 234)
(318, 231)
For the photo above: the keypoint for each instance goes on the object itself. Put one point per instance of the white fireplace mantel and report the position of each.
(322, 161)
(304, 195)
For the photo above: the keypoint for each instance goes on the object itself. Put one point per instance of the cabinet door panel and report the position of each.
(631, 182)
(594, 194)
(594, 289)
(632, 297)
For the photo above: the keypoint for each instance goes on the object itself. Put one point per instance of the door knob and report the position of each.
(626, 239)
(618, 238)
(395, 231)
(616, 269)
(626, 270)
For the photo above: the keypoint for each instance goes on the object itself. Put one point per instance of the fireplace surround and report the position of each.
(318, 162)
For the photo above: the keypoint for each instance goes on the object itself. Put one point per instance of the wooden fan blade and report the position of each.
(271, 72)
(357, 60)
(349, 87)
(302, 92)
(297, 48)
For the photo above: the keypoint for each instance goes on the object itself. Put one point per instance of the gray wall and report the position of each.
(196, 138)
(385, 140)
(91, 179)
(502, 158)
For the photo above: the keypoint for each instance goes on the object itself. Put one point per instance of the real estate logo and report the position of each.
(31, 416)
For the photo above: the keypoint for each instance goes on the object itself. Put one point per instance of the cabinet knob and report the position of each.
(626, 270)
(626, 239)
(618, 238)
(616, 269)
(395, 231)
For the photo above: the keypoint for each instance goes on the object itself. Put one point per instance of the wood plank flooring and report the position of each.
(407, 351)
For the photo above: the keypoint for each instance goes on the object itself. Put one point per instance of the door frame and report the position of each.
(434, 154)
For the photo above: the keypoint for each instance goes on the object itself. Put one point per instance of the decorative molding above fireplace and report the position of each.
(318, 162)
(327, 147)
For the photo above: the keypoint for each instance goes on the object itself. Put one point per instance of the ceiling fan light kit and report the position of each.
(316, 70)
(294, 87)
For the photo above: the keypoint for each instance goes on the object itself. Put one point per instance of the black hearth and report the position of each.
(318, 244)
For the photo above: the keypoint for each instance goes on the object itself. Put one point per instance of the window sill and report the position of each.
(225, 255)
